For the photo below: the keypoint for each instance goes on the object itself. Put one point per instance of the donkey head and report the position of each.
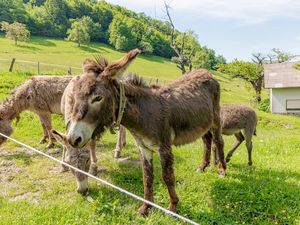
(5, 128)
(95, 99)
(79, 158)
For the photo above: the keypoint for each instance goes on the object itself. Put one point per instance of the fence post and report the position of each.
(38, 68)
(70, 71)
(12, 65)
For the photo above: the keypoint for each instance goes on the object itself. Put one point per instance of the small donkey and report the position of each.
(240, 121)
(237, 120)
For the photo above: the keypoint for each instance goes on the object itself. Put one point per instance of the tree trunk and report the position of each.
(78, 44)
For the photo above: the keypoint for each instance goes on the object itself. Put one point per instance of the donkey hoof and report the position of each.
(117, 154)
(43, 140)
(172, 208)
(249, 163)
(227, 159)
(50, 145)
(64, 169)
(144, 209)
(222, 173)
(200, 170)
(93, 169)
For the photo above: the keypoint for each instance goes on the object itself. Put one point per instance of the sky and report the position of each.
(233, 28)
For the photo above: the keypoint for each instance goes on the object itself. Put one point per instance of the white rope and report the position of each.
(104, 182)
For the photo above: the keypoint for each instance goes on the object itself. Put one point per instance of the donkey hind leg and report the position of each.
(121, 141)
(239, 139)
(46, 121)
(207, 139)
(45, 135)
(219, 145)
(93, 168)
(63, 167)
(248, 137)
(166, 160)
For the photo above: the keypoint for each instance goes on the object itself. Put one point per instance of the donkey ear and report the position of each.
(116, 69)
(90, 66)
(61, 138)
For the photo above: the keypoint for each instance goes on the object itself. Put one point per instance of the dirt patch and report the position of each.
(127, 160)
(26, 196)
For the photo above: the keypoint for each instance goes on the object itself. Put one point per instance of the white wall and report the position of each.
(278, 97)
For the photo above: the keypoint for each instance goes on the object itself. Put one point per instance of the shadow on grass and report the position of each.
(93, 49)
(22, 156)
(254, 196)
(28, 47)
(42, 41)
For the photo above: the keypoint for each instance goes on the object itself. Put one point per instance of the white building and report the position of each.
(283, 80)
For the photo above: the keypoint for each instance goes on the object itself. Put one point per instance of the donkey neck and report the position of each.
(12, 107)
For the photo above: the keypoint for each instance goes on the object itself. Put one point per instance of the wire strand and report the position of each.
(104, 182)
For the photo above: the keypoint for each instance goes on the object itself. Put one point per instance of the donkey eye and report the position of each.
(97, 99)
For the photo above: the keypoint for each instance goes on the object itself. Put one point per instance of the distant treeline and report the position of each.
(112, 24)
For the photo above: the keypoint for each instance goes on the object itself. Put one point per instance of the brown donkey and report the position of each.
(157, 117)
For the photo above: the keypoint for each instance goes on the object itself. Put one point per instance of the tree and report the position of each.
(279, 56)
(80, 30)
(15, 31)
(248, 71)
(182, 59)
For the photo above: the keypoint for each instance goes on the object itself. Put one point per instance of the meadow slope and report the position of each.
(33, 192)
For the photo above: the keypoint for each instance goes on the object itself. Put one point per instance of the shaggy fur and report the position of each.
(158, 117)
(41, 95)
(237, 120)
(240, 121)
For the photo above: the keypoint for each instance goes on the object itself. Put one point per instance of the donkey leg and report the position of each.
(207, 138)
(93, 168)
(46, 121)
(45, 136)
(248, 137)
(240, 138)
(166, 160)
(219, 143)
(148, 177)
(121, 141)
(63, 167)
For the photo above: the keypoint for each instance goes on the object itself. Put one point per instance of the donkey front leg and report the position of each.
(63, 167)
(121, 141)
(46, 121)
(148, 176)
(207, 139)
(166, 160)
(93, 168)
(239, 139)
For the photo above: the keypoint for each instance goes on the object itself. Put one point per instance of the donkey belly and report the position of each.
(190, 135)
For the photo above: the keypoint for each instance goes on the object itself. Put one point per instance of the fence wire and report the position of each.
(103, 182)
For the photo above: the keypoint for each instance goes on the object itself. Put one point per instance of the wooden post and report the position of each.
(12, 65)
(70, 71)
(38, 68)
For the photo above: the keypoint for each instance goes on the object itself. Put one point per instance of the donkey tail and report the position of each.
(254, 133)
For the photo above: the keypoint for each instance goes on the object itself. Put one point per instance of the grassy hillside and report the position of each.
(33, 192)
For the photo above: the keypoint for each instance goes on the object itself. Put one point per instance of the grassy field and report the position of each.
(33, 192)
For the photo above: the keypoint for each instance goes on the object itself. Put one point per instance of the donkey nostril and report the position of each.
(77, 141)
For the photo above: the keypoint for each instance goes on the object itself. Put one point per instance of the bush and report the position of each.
(264, 105)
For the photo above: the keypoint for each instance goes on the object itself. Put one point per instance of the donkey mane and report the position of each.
(101, 62)
(136, 86)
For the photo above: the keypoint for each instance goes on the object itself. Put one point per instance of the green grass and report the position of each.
(34, 193)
